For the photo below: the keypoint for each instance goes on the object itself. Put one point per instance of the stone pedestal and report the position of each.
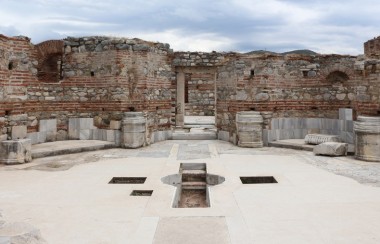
(249, 126)
(133, 130)
(367, 138)
(16, 151)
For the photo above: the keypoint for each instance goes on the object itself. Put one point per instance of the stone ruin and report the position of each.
(84, 88)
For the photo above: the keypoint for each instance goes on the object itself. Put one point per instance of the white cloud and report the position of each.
(336, 26)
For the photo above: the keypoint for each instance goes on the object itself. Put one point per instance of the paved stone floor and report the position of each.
(316, 200)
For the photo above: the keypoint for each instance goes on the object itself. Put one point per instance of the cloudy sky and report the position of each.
(335, 26)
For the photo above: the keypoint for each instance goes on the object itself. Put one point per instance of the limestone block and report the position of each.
(320, 138)
(85, 134)
(16, 151)
(331, 149)
(345, 114)
(249, 129)
(49, 125)
(37, 137)
(49, 128)
(19, 132)
(3, 137)
(224, 135)
(115, 125)
(78, 124)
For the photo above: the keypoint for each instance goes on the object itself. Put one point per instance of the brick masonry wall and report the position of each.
(296, 86)
(372, 48)
(201, 95)
(102, 77)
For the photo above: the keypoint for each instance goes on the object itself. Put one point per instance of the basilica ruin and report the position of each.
(184, 126)
(79, 88)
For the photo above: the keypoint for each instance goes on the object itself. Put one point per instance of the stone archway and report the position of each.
(49, 55)
(337, 77)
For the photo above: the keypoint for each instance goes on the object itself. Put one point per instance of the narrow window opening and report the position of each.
(253, 109)
(252, 73)
(186, 92)
(304, 73)
(7, 112)
(10, 65)
(92, 73)
(132, 109)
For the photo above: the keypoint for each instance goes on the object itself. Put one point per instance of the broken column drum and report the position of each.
(133, 128)
(367, 138)
(249, 129)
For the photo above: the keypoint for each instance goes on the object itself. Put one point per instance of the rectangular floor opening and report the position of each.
(127, 180)
(258, 179)
(193, 198)
(142, 193)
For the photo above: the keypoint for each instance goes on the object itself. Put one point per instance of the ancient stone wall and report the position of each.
(372, 48)
(102, 77)
(295, 86)
(95, 77)
(200, 95)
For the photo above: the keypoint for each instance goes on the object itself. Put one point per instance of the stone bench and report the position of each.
(320, 138)
(331, 149)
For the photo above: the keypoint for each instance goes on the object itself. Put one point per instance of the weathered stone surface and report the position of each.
(16, 151)
(19, 132)
(115, 125)
(367, 138)
(20, 233)
(331, 149)
(249, 128)
(133, 130)
(320, 138)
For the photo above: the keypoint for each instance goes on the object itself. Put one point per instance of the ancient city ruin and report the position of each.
(50, 89)
(133, 94)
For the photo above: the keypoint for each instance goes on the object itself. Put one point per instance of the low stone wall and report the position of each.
(298, 128)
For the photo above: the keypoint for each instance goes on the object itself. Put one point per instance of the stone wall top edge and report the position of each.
(15, 38)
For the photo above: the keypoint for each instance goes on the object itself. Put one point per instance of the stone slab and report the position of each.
(19, 132)
(48, 125)
(115, 125)
(70, 146)
(192, 230)
(331, 149)
(298, 144)
(346, 114)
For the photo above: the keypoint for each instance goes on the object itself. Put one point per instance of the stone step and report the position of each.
(193, 175)
(201, 135)
(194, 185)
(208, 126)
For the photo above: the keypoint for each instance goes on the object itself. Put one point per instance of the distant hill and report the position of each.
(301, 51)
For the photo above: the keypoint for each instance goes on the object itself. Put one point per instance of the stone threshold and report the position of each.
(67, 147)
